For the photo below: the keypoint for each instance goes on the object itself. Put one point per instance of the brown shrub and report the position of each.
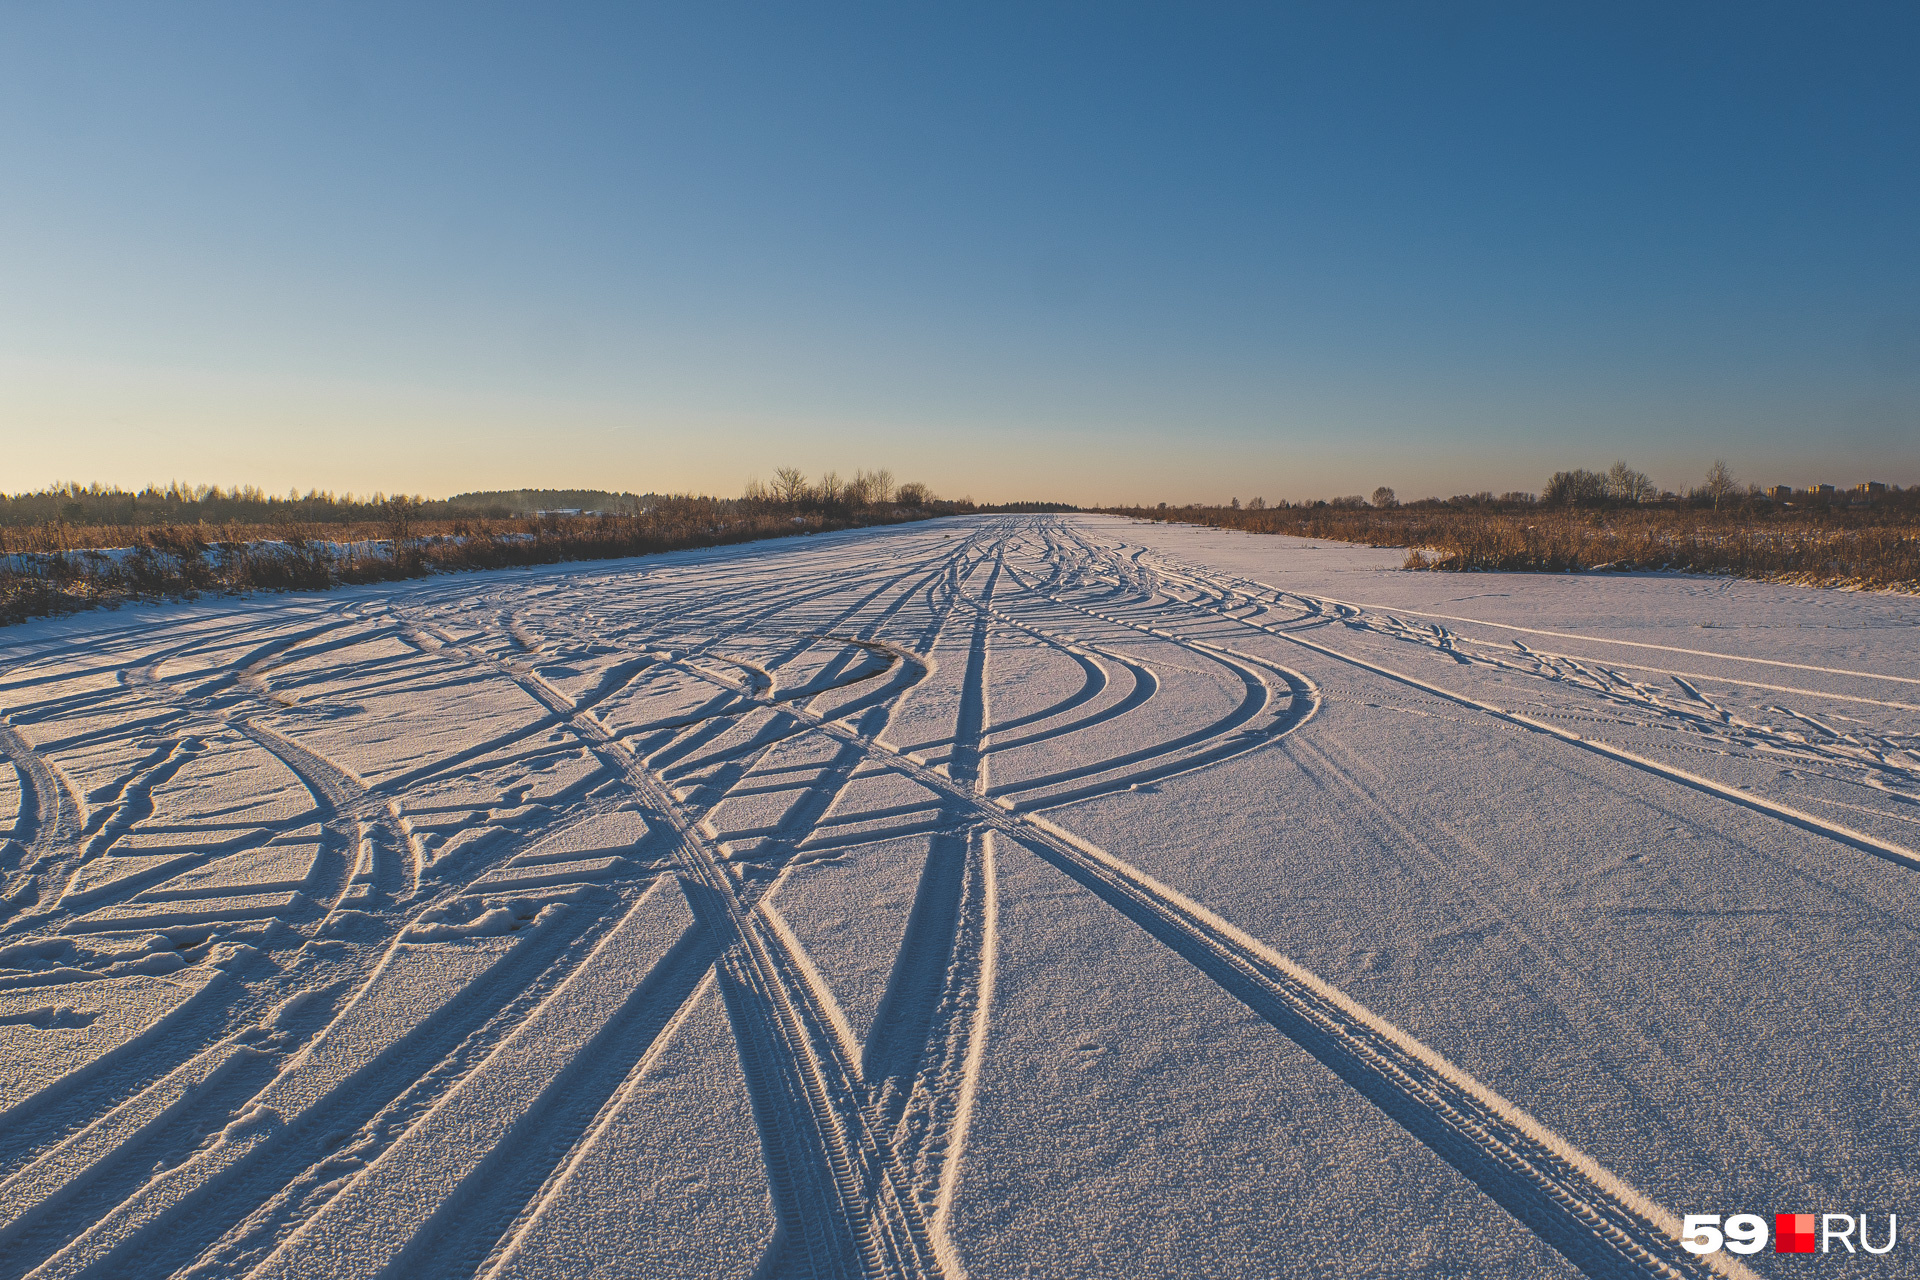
(1865, 547)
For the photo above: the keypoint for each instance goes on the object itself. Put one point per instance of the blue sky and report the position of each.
(1099, 253)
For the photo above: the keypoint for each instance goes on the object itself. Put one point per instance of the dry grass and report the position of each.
(75, 546)
(60, 568)
(1875, 547)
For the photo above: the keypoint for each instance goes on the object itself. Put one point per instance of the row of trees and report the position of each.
(73, 517)
(1618, 486)
(1383, 499)
(51, 567)
(180, 504)
(790, 487)
(176, 503)
(1622, 486)
(97, 506)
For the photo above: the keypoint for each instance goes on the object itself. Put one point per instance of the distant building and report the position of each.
(1869, 488)
(1780, 492)
(1820, 490)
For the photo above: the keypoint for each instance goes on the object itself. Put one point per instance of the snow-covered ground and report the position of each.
(1007, 896)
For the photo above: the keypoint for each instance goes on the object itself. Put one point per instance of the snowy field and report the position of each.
(1010, 896)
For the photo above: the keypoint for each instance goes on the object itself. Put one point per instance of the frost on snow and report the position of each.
(999, 896)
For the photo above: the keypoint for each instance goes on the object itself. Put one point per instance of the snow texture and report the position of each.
(1038, 895)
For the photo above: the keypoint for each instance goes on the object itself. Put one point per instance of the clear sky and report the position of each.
(1099, 253)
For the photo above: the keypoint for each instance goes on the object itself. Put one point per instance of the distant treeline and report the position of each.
(1620, 486)
(96, 506)
(108, 505)
(500, 504)
(1868, 536)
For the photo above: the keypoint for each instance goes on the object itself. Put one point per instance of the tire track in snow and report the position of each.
(928, 1038)
(945, 966)
(52, 816)
(1303, 701)
(1619, 1040)
(1594, 1219)
(1759, 804)
(864, 1147)
(842, 1199)
(1849, 752)
(340, 796)
(1636, 644)
(346, 1073)
(926, 1097)
(478, 1147)
(1598, 1222)
(512, 1249)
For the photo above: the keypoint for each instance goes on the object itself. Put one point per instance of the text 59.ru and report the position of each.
(1792, 1233)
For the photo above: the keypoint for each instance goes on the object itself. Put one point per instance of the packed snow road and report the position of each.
(1003, 896)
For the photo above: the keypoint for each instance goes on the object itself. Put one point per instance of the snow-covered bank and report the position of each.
(180, 562)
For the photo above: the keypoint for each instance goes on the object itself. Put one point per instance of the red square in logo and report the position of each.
(1793, 1232)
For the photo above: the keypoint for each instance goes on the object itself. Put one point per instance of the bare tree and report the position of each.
(859, 491)
(1383, 497)
(912, 494)
(1720, 484)
(1576, 488)
(882, 479)
(832, 488)
(1624, 484)
(789, 484)
(1256, 504)
(400, 513)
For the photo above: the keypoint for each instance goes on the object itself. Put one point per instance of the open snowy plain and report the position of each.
(1009, 896)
